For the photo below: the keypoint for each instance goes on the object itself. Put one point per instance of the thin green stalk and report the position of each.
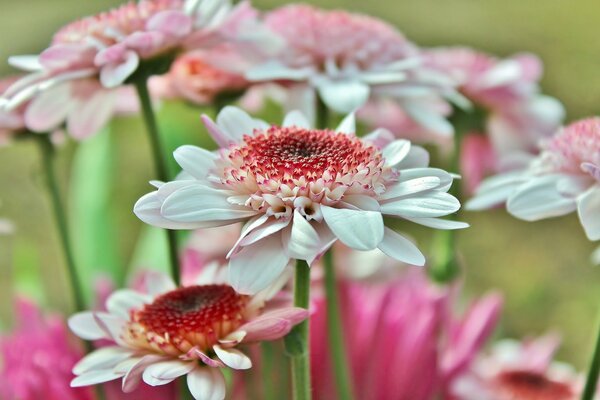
(268, 369)
(592, 376)
(335, 336)
(297, 341)
(322, 114)
(48, 165)
(141, 85)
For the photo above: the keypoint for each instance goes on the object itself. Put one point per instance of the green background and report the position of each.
(542, 268)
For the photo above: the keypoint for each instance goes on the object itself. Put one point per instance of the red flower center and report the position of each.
(533, 386)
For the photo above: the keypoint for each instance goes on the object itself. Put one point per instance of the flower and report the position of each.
(171, 332)
(516, 116)
(515, 370)
(404, 324)
(299, 190)
(74, 79)
(37, 357)
(193, 77)
(565, 177)
(346, 57)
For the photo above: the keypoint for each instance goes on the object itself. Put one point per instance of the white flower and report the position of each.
(564, 178)
(169, 332)
(299, 190)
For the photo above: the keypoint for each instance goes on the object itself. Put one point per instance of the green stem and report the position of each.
(322, 114)
(297, 341)
(594, 371)
(268, 369)
(48, 165)
(335, 336)
(141, 85)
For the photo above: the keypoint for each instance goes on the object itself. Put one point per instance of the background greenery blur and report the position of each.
(542, 268)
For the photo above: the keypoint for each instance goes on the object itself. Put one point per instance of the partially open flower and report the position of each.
(347, 57)
(515, 370)
(565, 177)
(299, 190)
(169, 332)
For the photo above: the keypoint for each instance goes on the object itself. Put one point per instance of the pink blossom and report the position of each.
(403, 340)
(37, 358)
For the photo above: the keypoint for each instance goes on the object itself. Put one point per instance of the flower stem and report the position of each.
(337, 346)
(297, 341)
(592, 377)
(158, 153)
(48, 165)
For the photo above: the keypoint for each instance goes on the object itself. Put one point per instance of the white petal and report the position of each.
(400, 248)
(233, 358)
(206, 384)
(348, 125)
(539, 198)
(236, 123)
(362, 202)
(429, 204)
(588, 208)
(158, 283)
(122, 301)
(258, 265)
(360, 230)
(91, 114)
(195, 160)
(85, 326)
(343, 96)
(163, 372)
(437, 223)
(429, 119)
(303, 242)
(269, 228)
(274, 70)
(95, 377)
(417, 157)
(494, 191)
(113, 75)
(101, 359)
(410, 187)
(29, 63)
(297, 119)
(50, 109)
(396, 151)
(134, 370)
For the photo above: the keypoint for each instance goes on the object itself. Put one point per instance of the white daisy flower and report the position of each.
(299, 190)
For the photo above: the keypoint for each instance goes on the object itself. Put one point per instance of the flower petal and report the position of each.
(171, 22)
(233, 358)
(540, 198)
(85, 326)
(236, 123)
(437, 223)
(410, 187)
(396, 151)
(206, 384)
(400, 248)
(348, 125)
(343, 96)
(164, 372)
(134, 371)
(50, 109)
(360, 230)
(101, 359)
(297, 119)
(272, 325)
(303, 242)
(123, 301)
(195, 160)
(116, 73)
(588, 208)
(429, 204)
(95, 377)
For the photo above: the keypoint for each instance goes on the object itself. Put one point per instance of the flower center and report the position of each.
(109, 26)
(187, 317)
(532, 385)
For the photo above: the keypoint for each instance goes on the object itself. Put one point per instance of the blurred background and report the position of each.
(542, 268)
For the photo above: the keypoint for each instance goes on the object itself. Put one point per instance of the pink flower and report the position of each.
(564, 178)
(37, 357)
(519, 370)
(169, 332)
(517, 115)
(346, 58)
(403, 340)
(74, 80)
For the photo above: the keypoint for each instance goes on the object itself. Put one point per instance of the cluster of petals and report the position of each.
(75, 80)
(405, 325)
(348, 58)
(563, 178)
(166, 332)
(37, 358)
(517, 116)
(299, 190)
(520, 370)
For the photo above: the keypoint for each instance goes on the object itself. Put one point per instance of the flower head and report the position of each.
(565, 177)
(299, 190)
(37, 358)
(515, 370)
(168, 332)
(345, 57)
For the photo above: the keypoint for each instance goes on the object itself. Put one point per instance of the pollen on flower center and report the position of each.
(194, 316)
(531, 385)
(294, 153)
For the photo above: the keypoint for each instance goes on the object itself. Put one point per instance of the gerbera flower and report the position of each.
(345, 57)
(169, 332)
(97, 53)
(515, 370)
(37, 357)
(565, 177)
(299, 190)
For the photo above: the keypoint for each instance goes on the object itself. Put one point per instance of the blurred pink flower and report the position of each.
(403, 340)
(71, 81)
(517, 115)
(519, 370)
(37, 358)
(346, 58)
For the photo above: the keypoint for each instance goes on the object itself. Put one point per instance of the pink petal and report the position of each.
(172, 22)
